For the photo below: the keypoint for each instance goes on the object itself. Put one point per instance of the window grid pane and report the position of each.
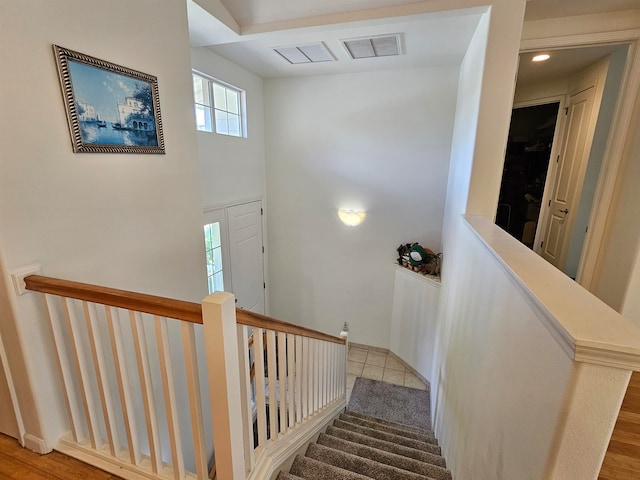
(222, 123)
(203, 118)
(233, 101)
(218, 107)
(233, 122)
(201, 90)
(219, 96)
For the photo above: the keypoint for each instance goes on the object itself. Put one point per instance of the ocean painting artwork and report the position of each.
(110, 109)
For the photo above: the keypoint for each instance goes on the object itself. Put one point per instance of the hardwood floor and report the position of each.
(17, 463)
(622, 460)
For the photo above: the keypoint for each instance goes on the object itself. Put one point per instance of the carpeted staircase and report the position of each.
(361, 447)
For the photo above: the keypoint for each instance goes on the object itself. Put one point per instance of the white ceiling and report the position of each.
(562, 64)
(541, 9)
(430, 41)
(427, 39)
(253, 12)
(245, 31)
(256, 12)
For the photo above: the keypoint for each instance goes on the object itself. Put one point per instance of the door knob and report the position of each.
(565, 211)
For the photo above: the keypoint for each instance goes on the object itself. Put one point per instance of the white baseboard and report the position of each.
(269, 461)
(121, 467)
(34, 444)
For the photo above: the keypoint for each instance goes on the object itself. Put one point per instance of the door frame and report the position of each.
(603, 199)
(226, 258)
(558, 136)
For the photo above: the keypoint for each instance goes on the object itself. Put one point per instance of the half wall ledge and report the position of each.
(585, 327)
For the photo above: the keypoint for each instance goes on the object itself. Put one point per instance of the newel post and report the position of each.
(221, 343)
(345, 334)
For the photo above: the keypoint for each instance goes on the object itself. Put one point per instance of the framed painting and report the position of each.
(110, 108)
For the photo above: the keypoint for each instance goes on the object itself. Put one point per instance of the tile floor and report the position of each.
(369, 363)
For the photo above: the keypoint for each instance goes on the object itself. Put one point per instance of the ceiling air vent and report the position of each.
(309, 53)
(379, 46)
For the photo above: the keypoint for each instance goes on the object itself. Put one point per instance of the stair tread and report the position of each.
(382, 421)
(389, 437)
(311, 469)
(363, 466)
(384, 457)
(287, 476)
(392, 447)
(389, 429)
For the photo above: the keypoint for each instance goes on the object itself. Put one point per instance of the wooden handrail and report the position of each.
(141, 302)
(252, 319)
(162, 306)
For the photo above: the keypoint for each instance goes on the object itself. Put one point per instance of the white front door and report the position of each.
(569, 178)
(246, 254)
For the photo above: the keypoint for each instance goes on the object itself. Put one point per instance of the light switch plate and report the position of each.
(18, 275)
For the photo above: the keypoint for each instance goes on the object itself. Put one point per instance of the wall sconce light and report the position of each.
(351, 217)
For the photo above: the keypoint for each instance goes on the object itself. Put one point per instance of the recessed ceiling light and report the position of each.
(541, 58)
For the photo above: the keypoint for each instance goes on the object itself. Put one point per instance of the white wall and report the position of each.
(128, 221)
(619, 278)
(625, 237)
(464, 363)
(414, 319)
(504, 376)
(374, 141)
(232, 168)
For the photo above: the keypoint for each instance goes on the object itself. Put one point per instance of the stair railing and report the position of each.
(116, 354)
(126, 360)
(297, 379)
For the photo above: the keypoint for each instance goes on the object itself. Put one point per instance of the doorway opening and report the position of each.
(556, 223)
(525, 169)
(234, 247)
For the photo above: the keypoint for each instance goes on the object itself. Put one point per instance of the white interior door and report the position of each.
(569, 178)
(246, 255)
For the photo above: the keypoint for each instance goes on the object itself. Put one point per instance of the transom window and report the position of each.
(219, 107)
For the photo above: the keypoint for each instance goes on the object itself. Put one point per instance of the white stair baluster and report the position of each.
(261, 409)
(146, 386)
(124, 385)
(306, 374)
(298, 389)
(104, 388)
(71, 403)
(195, 402)
(325, 372)
(168, 387)
(282, 380)
(245, 397)
(273, 381)
(81, 369)
(316, 375)
(291, 369)
(332, 370)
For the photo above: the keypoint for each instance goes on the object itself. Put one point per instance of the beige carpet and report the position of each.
(404, 405)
